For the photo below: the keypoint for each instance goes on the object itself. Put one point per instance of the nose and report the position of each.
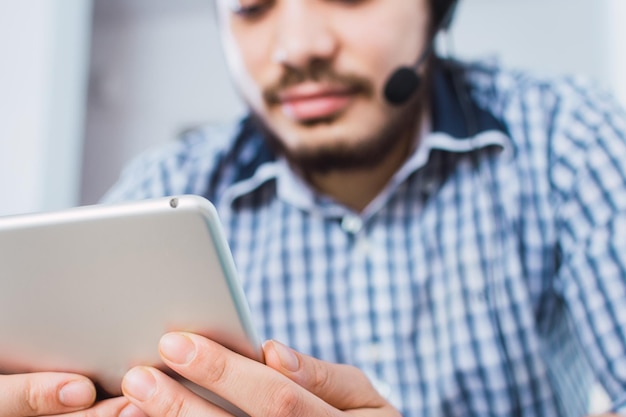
(303, 35)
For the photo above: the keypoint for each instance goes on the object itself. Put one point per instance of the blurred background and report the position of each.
(85, 85)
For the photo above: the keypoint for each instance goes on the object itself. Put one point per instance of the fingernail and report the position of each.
(132, 410)
(139, 383)
(287, 357)
(177, 348)
(77, 394)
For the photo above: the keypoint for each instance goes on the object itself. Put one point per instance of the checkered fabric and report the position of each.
(487, 279)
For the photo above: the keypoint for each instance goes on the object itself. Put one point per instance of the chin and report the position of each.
(335, 150)
(354, 140)
(324, 138)
(343, 130)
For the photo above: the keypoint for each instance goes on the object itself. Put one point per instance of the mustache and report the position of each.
(316, 72)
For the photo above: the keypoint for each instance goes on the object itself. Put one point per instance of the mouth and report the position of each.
(311, 101)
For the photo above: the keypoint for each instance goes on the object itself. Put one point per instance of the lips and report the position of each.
(312, 101)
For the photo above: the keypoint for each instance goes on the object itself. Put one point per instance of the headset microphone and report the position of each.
(405, 81)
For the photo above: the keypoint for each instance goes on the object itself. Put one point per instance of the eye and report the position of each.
(250, 9)
(350, 2)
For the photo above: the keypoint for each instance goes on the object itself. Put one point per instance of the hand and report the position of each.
(291, 384)
(47, 393)
(344, 387)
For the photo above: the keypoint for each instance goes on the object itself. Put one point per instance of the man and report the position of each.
(462, 246)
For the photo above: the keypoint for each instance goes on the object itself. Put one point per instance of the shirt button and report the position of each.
(430, 186)
(352, 224)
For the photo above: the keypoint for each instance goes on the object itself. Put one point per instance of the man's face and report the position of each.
(314, 70)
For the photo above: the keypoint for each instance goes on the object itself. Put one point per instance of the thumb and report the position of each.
(344, 387)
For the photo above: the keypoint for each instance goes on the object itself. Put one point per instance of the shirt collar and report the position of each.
(454, 114)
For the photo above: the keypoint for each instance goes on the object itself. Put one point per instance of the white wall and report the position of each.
(156, 68)
(580, 37)
(551, 36)
(617, 45)
(43, 48)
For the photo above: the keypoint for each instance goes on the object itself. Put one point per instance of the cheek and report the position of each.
(250, 61)
(383, 39)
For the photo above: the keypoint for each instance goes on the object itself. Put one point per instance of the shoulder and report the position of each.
(512, 94)
(555, 111)
(568, 126)
(183, 166)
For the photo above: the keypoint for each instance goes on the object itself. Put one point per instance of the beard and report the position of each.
(348, 155)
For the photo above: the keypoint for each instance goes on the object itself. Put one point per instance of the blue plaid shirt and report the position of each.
(488, 278)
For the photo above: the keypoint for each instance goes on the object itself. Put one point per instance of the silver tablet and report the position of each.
(92, 289)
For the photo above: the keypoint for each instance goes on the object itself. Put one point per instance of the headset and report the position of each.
(405, 81)
(443, 11)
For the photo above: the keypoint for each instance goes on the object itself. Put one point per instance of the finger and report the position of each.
(342, 386)
(253, 387)
(114, 407)
(152, 392)
(39, 394)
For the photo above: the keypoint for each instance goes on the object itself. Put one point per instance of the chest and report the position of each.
(418, 294)
(441, 248)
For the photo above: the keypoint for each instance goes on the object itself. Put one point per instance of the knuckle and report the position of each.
(321, 376)
(175, 406)
(34, 401)
(217, 370)
(287, 401)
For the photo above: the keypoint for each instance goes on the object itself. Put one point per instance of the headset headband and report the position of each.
(443, 12)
